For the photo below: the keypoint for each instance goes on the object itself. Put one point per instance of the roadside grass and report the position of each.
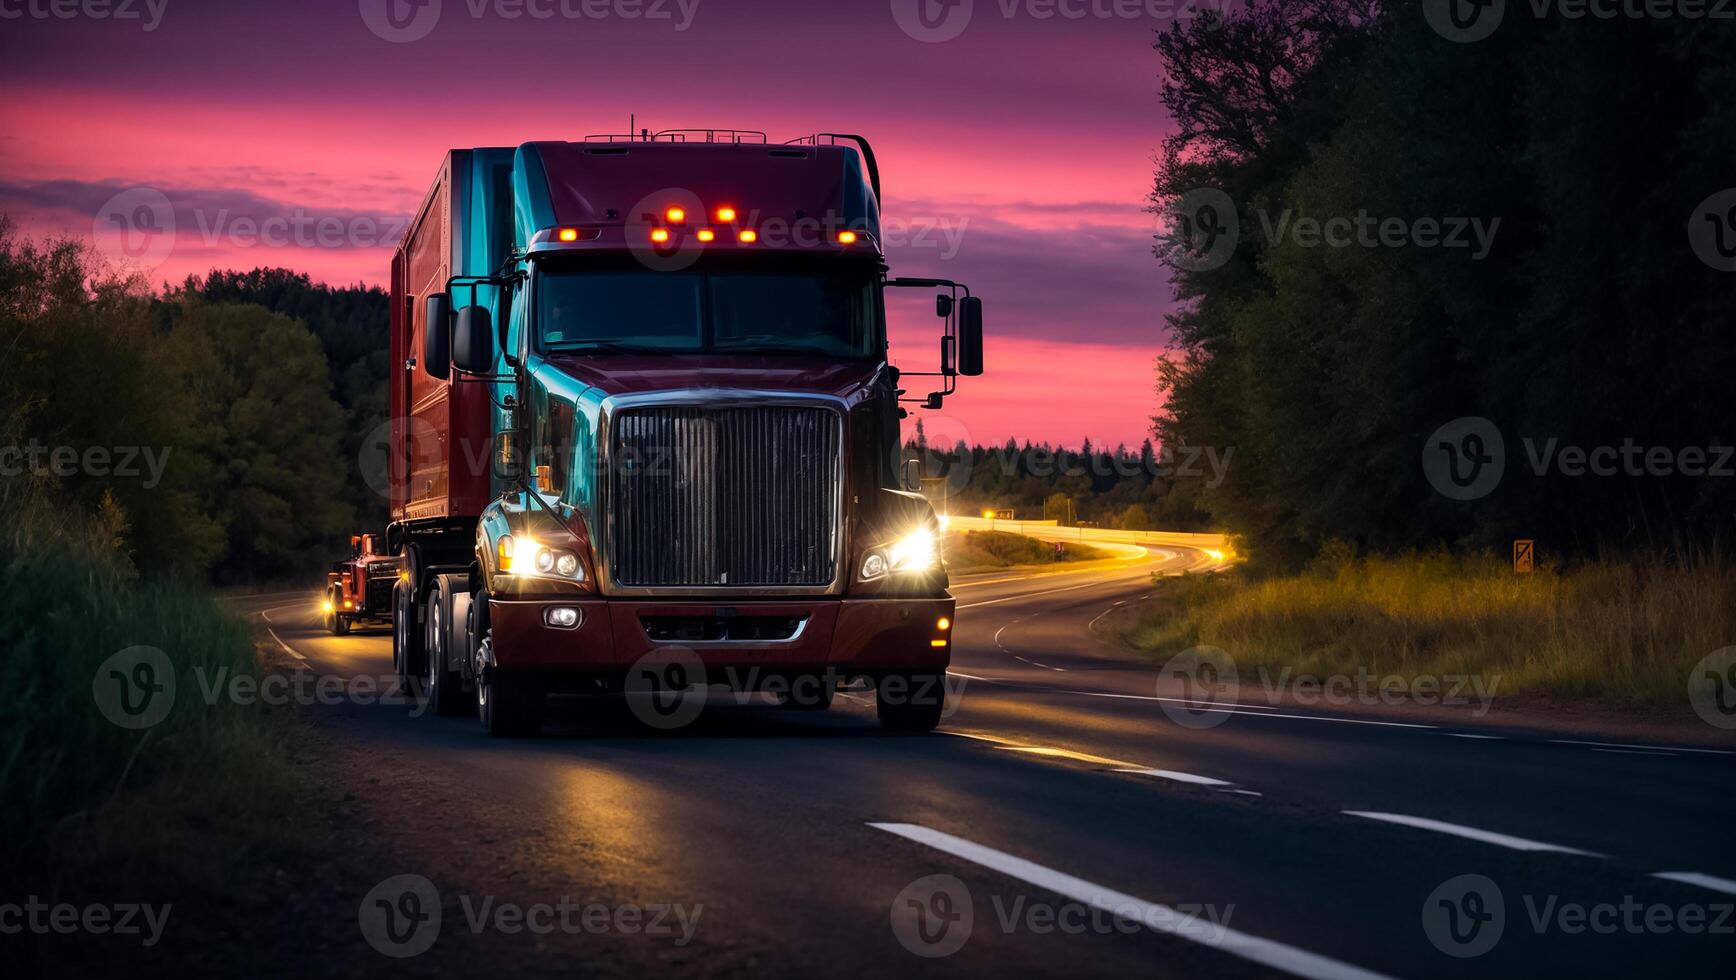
(1622, 631)
(192, 810)
(981, 550)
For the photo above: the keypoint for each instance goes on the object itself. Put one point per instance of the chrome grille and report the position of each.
(730, 497)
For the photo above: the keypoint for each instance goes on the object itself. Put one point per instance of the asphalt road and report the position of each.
(1084, 819)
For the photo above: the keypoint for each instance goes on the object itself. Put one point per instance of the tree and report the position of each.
(266, 417)
(1326, 368)
(1134, 519)
(84, 401)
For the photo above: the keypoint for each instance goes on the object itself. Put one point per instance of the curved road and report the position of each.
(1083, 819)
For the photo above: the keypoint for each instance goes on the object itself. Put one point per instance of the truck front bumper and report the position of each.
(851, 637)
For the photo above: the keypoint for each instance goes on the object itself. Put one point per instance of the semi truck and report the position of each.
(360, 587)
(645, 425)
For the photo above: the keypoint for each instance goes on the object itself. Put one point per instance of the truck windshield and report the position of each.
(828, 309)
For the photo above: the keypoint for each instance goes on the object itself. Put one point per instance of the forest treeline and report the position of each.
(1443, 291)
(197, 424)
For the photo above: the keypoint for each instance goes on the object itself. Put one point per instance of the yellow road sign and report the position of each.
(1524, 557)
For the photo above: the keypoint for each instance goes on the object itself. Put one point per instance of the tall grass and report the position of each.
(976, 550)
(91, 805)
(1607, 629)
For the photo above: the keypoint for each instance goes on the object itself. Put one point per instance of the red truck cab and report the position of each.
(646, 430)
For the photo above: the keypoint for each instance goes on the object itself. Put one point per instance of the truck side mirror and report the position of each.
(437, 335)
(355, 544)
(473, 341)
(948, 356)
(910, 474)
(970, 337)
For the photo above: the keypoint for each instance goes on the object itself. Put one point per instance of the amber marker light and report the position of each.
(944, 624)
(846, 238)
(726, 215)
(707, 235)
(660, 235)
(569, 234)
(676, 215)
(749, 236)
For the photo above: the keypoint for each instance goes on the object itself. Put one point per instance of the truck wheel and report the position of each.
(509, 705)
(808, 693)
(910, 702)
(407, 636)
(442, 685)
(335, 621)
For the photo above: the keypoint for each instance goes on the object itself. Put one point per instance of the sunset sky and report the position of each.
(1024, 144)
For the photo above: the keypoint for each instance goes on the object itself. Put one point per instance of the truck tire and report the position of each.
(407, 636)
(910, 702)
(335, 621)
(441, 684)
(509, 705)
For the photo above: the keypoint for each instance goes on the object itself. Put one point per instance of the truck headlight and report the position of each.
(915, 552)
(528, 557)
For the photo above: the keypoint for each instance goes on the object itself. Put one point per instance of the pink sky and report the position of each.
(1022, 149)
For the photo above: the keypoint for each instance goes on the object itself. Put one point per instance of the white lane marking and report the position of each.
(1667, 755)
(1180, 777)
(1342, 721)
(1158, 918)
(1488, 738)
(1033, 595)
(1623, 745)
(1470, 833)
(1153, 697)
(1091, 627)
(1036, 664)
(286, 647)
(1244, 792)
(1251, 710)
(1724, 885)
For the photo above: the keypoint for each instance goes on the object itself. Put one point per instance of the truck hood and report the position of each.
(632, 374)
